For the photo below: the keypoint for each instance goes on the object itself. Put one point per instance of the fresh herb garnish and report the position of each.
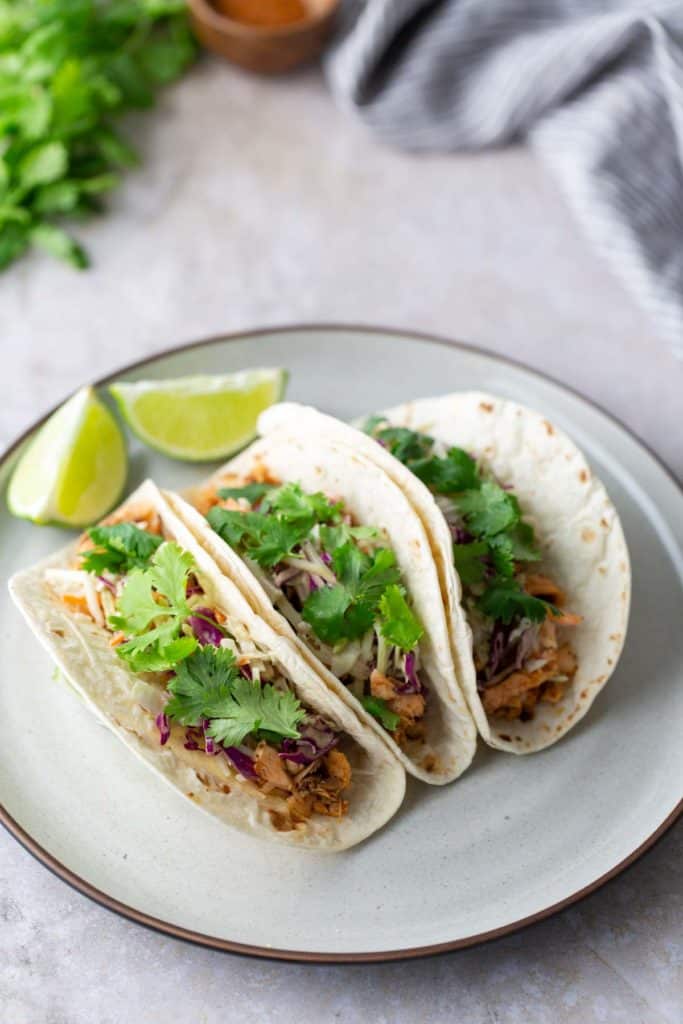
(399, 625)
(151, 610)
(379, 709)
(208, 685)
(496, 537)
(505, 600)
(119, 548)
(367, 584)
(252, 492)
(66, 70)
(347, 609)
(285, 518)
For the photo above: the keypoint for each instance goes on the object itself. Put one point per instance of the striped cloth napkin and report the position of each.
(595, 86)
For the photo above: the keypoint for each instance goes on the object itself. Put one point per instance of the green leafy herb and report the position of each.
(67, 69)
(499, 538)
(379, 709)
(505, 600)
(209, 685)
(252, 492)
(489, 509)
(347, 610)
(151, 610)
(119, 548)
(399, 625)
(286, 517)
(469, 560)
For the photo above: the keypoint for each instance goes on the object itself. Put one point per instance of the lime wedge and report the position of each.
(199, 418)
(74, 468)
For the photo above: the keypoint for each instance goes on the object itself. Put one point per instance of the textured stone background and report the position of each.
(258, 203)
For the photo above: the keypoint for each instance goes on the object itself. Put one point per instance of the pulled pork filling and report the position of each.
(519, 622)
(336, 583)
(219, 694)
(523, 662)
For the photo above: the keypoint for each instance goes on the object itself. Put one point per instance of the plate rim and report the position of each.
(75, 881)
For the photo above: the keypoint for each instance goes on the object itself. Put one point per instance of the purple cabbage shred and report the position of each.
(206, 632)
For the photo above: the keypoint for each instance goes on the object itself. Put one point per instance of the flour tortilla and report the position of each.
(129, 705)
(372, 499)
(577, 526)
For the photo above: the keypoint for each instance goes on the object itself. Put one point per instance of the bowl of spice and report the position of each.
(268, 36)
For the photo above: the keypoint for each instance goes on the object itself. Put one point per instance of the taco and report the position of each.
(169, 654)
(333, 556)
(532, 560)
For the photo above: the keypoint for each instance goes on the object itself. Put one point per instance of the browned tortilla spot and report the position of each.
(587, 534)
(602, 570)
(486, 406)
(610, 661)
(604, 523)
(549, 427)
(429, 763)
(583, 694)
(504, 736)
(583, 476)
(616, 637)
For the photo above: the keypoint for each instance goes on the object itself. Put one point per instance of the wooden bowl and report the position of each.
(265, 48)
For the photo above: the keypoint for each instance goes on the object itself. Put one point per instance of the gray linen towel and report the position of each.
(596, 86)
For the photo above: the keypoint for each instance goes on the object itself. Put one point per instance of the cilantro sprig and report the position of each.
(67, 69)
(151, 610)
(495, 537)
(119, 548)
(208, 685)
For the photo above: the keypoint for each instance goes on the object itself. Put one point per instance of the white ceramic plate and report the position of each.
(512, 841)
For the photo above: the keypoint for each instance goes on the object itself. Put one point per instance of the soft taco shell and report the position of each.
(128, 705)
(576, 524)
(371, 498)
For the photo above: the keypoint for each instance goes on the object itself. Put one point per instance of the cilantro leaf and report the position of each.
(250, 708)
(334, 616)
(294, 504)
(201, 682)
(252, 492)
(404, 444)
(456, 472)
(119, 548)
(469, 561)
(349, 563)
(489, 510)
(151, 610)
(380, 710)
(400, 625)
(505, 600)
(381, 574)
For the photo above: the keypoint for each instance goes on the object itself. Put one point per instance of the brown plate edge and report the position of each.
(263, 952)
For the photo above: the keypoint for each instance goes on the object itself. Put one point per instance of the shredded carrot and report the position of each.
(117, 639)
(76, 604)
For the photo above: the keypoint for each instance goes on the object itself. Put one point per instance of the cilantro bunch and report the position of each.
(367, 584)
(208, 685)
(493, 539)
(68, 68)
